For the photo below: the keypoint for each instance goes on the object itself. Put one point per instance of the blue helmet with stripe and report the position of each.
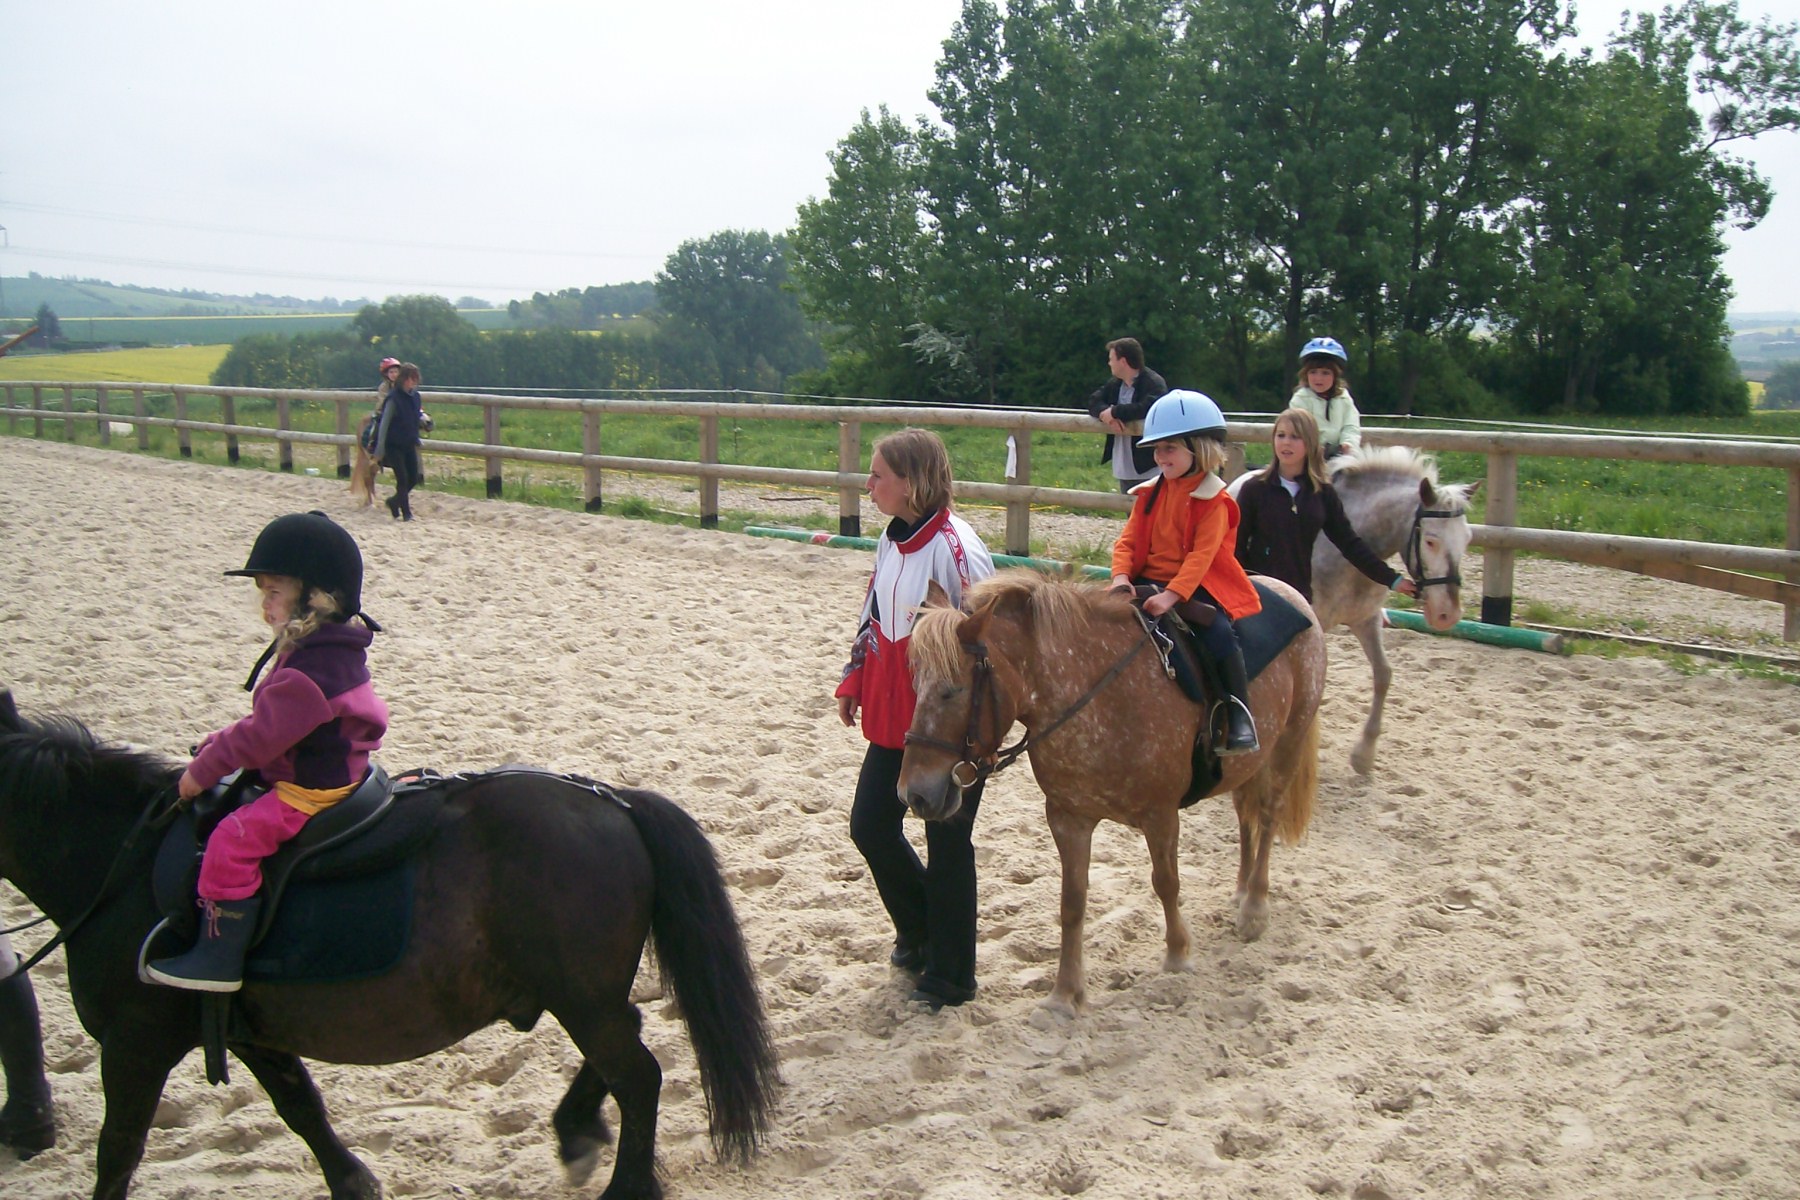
(1182, 413)
(1325, 348)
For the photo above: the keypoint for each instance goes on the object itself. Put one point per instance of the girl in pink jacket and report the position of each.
(313, 723)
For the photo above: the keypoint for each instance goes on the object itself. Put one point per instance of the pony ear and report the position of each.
(970, 630)
(1427, 493)
(936, 596)
(9, 712)
(1473, 488)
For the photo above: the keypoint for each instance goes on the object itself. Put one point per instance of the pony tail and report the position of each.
(1294, 808)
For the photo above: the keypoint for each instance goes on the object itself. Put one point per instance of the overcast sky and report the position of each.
(491, 149)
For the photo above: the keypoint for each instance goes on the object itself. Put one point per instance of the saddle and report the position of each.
(351, 859)
(1261, 636)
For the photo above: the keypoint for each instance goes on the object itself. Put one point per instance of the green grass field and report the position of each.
(1713, 504)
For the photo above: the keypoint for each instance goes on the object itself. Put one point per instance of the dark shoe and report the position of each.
(1240, 730)
(216, 963)
(393, 503)
(29, 1128)
(935, 993)
(910, 959)
(1240, 726)
(27, 1122)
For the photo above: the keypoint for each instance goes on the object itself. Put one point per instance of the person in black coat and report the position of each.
(1122, 404)
(401, 420)
(1283, 508)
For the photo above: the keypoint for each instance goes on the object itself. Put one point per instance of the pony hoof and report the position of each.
(1062, 1006)
(1362, 760)
(579, 1169)
(1251, 923)
(1178, 964)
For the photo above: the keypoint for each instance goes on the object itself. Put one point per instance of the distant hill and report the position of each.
(74, 298)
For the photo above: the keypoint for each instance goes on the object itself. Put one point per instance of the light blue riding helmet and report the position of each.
(1182, 413)
(1325, 348)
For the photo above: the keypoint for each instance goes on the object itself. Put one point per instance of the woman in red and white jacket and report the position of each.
(932, 903)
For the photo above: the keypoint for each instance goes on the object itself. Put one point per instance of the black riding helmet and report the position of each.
(314, 549)
(317, 551)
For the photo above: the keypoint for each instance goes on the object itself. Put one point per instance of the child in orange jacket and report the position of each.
(1181, 537)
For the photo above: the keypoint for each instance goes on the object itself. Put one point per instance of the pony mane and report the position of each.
(937, 656)
(1374, 465)
(49, 753)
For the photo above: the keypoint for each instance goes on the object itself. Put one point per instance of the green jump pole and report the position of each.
(1475, 631)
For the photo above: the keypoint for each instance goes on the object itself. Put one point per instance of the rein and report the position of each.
(146, 819)
(971, 770)
(1414, 561)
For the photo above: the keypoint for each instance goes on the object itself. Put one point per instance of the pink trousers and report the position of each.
(231, 868)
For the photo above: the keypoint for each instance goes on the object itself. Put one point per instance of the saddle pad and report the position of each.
(342, 929)
(1265, 634)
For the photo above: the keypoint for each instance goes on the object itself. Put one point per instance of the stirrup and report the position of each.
(1235, 707)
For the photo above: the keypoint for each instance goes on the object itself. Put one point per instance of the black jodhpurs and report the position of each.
(407, 471)
(932, 903)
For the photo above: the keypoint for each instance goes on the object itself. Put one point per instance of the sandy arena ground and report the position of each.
(1551, 948)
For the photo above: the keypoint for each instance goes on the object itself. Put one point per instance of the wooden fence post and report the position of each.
(590, 446)
(1018, 512)
(37, 405)
(68, 412)
(343, 429)
(849, 463)
(182, 436)
(490, 436)
(709, 484)
(228, 415)
(12, 418)
(1790, 613)
(100, 421)
(1497, 565)
(285, 448)
(140, 412)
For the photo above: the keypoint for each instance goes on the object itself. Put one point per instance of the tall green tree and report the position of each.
(858, 256)
(1622, 304)
(732, 287)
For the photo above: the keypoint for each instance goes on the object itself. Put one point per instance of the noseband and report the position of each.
(972, 768)
(1414, 561)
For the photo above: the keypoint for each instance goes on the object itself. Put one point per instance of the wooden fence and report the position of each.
(1743, 570)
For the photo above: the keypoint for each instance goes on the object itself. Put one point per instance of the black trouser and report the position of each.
(407, 471)
(1219, 639)
(933, 903)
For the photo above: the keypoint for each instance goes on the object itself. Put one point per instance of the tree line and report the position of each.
(1489, 222)
(1486, 220)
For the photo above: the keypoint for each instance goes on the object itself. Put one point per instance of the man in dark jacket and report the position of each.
(1121, 406)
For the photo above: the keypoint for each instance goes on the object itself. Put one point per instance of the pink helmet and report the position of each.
(386, 363)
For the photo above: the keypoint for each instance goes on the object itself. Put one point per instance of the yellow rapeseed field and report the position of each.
(157, 364)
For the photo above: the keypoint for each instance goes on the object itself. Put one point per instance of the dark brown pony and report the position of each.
(1104, 746)
(535, 894)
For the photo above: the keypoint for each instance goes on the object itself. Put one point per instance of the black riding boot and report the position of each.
(1240, 726)
(216, 963)
(27, 1122)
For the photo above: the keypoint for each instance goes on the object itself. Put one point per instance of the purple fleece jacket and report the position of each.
(314, 719)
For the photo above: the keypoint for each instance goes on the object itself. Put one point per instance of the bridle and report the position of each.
(1414, 561)
(971, 768)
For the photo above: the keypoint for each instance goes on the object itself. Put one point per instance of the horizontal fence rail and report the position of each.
(1742, 570)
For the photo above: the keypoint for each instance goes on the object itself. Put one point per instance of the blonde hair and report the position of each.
(1306, 428)
(919, 458)
(1208, 452)
(1323, 360)
(316, 608)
